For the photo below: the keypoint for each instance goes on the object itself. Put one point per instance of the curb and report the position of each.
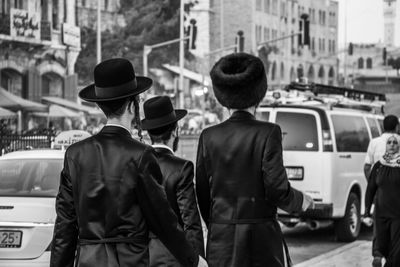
(330, 254)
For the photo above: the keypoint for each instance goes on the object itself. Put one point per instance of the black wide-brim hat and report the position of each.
(114, 79)
(159, 112)
(239, 81)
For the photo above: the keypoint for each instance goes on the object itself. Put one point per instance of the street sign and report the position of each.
(71, 35)
(24, 23)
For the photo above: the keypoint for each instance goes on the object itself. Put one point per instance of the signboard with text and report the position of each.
(71, 35)
(24, 23)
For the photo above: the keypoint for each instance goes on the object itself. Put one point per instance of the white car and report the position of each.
(29, 182)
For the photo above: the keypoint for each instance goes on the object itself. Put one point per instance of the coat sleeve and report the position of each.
(202, 182)
(66, 227)
(277, 186)
(371, 189)
(187, 203)
(158, 214)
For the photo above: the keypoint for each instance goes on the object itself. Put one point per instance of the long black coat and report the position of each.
(240, 182)
(109, 199)
(178, 177)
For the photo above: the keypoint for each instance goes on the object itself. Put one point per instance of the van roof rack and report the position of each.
(318, 88)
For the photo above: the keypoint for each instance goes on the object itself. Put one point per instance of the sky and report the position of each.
(364, 21)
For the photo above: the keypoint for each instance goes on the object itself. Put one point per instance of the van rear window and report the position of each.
(351, 133)
(299, 131)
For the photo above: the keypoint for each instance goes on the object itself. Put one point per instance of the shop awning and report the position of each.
(56, 111)
(5, 113)
(16, 103)
(72, 105)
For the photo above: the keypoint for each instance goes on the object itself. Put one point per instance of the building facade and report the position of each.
(110, 14)
(39, 45)
(391, 17)
(264, 21)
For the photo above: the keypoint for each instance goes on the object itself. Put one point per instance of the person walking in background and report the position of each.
(109, 195)
(240, 177)
(384, 183)
(376, 149)
(377, 146)
(161, 122)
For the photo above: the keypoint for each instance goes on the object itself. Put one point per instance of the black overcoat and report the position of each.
(240, 182)
(178, 177)
(109, 199)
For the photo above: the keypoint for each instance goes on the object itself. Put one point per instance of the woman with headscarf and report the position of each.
(384, 182)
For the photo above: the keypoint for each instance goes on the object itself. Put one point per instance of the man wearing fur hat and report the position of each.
(240, 177)
(161, 122)
(109, 196)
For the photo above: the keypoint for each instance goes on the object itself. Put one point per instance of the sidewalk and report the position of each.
(355, 254)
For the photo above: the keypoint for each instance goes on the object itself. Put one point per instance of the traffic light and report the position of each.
(192, 33)
(384, 55)
(350, 50)
(304, 29)
(239, 42)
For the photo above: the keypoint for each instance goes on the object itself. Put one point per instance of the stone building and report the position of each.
(110, 14)
(39, 45)
(218, 22)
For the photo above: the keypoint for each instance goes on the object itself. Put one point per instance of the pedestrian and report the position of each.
(109, 196)
(240, 177)
(376, 149)
(384, 184)
(161, 122)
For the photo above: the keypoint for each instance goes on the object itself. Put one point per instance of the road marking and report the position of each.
(330, 254)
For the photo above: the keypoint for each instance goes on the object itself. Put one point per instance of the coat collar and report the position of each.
(163, 149)
(114, 129)
(242, 115)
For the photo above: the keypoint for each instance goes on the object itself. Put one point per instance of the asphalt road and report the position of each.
(305, 244)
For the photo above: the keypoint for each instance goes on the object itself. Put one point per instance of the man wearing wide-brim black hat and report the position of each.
(240, 177)
(109, 196)
(161, 123)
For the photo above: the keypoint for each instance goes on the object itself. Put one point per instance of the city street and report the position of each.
(305, 244)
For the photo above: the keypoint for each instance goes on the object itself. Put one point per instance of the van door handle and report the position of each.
(348, 156)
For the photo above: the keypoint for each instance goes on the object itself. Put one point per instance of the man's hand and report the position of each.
(202, 262)
(308, 202)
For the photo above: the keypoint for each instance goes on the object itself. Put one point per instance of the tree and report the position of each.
(147, 22)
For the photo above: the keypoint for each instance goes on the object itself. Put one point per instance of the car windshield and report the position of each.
(30, 177)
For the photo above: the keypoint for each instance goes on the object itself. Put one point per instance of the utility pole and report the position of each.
(98, 32)
(179, 93)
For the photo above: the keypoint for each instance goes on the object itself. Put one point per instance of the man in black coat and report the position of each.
(240, 177)
(161, 122)
(109, 196)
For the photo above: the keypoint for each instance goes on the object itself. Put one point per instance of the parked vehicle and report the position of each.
(324, 148)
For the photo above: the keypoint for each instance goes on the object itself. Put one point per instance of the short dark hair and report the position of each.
(162, 134)
(390, 123)
(115, 108)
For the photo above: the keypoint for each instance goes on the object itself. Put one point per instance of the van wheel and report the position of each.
(348, 227)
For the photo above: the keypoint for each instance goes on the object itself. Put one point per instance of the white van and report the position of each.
(324, 149)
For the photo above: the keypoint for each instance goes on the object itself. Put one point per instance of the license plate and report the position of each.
(10, 239)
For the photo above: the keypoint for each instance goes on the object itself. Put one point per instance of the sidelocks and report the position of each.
(67, 138)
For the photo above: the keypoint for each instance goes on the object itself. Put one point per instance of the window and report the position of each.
(360, 63)
(30, 177)
(313, 44)
(263, 116)
(267, 6)
(266, 34)
(374, 127)
(333, 46)
(275, 7)
(351, 133)
(55, 9)
(258, 5)
(299, 131)
(369, 63)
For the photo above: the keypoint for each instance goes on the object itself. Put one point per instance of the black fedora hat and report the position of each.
(159, 112)
(114, 79)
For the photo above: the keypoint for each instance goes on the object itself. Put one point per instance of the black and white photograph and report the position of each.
(196, 133)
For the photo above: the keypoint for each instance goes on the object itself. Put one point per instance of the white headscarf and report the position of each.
(391, 159)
